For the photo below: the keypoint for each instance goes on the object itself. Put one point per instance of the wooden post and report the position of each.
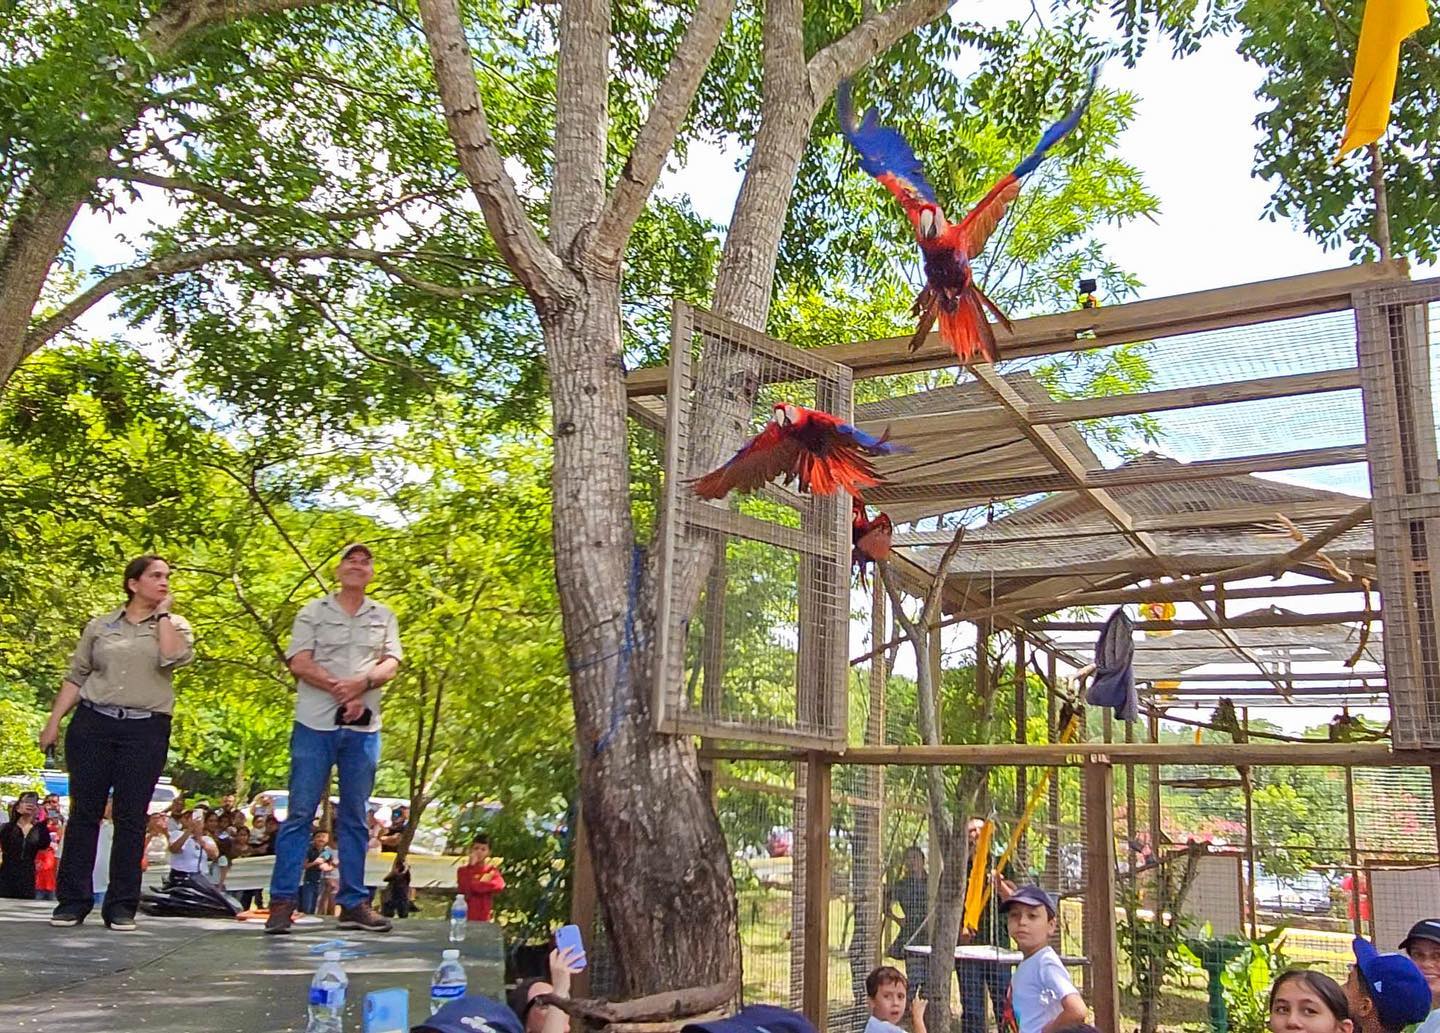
(1022, 782)
(1100, 893)
(1052, 701)
(1160, 903)
(582, 897)
(1247, 786)
(1131, 803)
(1355, 874)
(815, 988)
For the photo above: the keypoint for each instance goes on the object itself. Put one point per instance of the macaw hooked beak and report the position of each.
(929, 225)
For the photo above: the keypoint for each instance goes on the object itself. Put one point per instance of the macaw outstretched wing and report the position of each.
(884, 154)
(976, 227)
(855, 437)
(764, 457)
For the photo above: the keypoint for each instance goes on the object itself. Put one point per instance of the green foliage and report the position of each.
(19, 726)
(1247, 979)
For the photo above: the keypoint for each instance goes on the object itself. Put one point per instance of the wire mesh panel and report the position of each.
(1394, 346)
(766, 577)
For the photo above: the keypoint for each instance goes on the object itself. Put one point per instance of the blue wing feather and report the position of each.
(883, 151)
(1057, 132)
(880, 445)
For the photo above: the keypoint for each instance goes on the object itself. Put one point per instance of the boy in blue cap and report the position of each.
(1386, 992)
(1041, 999)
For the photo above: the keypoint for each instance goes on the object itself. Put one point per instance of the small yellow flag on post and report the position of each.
(1385, 26)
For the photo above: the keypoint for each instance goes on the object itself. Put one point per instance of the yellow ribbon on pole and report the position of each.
(1377, 59)
(977, 888)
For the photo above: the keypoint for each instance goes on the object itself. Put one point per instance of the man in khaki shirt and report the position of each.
(343, 647)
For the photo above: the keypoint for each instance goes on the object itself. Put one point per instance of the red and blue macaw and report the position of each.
(870, 540)
(822, 452)
(950, 293)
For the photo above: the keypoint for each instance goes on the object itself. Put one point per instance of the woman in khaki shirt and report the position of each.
(120, 676)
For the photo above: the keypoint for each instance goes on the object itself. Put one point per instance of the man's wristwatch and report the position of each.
(369, 683)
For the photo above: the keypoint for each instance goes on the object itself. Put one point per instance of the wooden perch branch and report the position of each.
(669, 1005)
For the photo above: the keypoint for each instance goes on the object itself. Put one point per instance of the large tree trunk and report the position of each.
(661, 864)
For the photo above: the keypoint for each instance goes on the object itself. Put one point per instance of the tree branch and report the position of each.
(657, 136)
(230, 203)
(539, 271)
(581, 119)
(872, 37)
(189, 261)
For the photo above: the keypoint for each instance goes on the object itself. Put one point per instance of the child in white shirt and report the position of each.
(886, 992)
(1041, 998)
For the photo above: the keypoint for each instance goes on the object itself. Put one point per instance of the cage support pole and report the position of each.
(1155, 849)
(1354, 846)
(1052, 706)
(1022, 782)
(1131, 803)
(583, 896)
(816, 932)
(1247, 786)
(1103, 948)
(1435, 801)
(869, 818)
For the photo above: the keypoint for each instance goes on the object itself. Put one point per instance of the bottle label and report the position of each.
(447, 991)
(327, 997)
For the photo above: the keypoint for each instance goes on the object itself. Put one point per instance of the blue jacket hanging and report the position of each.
(1113, 684)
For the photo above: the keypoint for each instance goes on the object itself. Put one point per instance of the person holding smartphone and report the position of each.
(343, 648)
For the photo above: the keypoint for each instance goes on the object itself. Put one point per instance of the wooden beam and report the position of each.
(1253, 619)
(1325, 509)
(815, 995)
(962, 494)
(1174, 593)
(1104, 976)
(993, 417)
(1317, 754)
(1283, 298)
(1305, 677)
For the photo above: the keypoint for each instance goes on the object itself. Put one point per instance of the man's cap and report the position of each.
(756, 1018)
(520, 999)
(1029, 895)
(353, 546)
(1425, 929)
(1397, 987)
(473, 1014)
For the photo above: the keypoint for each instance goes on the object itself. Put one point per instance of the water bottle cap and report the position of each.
(450, 955)
(332, 955)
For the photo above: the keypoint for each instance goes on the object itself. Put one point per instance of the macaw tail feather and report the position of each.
(843, 470)
(966, 329)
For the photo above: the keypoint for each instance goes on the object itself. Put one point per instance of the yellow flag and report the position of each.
(1386, 24)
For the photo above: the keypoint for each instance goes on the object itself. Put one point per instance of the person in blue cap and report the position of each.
(1423, 946)
(1042, 999)
(1386, 991)
(476, 1013)
(756, 1018)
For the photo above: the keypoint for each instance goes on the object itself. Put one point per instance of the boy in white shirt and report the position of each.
(1041, 999)
(886, 991)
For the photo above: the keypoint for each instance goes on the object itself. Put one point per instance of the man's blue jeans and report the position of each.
(354, 755)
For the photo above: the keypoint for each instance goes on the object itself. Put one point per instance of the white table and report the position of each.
(973, 952)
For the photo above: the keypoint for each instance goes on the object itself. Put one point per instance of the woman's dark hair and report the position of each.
(136, 569)
(1318, 983)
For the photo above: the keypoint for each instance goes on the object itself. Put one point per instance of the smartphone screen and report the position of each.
(569, 936)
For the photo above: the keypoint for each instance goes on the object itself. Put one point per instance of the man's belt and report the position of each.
(120, 713)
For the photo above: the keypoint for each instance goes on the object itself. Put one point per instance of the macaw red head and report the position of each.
(930, 223)
(784, 415)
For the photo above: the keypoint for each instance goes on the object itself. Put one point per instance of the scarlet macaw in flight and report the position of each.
(950, 292)
(869, 539)
(820, 451)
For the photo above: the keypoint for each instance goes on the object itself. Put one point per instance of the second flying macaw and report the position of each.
(870, 539)
(820, 451)
(950, 293)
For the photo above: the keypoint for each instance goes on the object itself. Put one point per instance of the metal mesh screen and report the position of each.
(754, 601)
(1398, 332)
(1288, 864)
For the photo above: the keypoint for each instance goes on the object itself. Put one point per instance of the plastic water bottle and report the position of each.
(327, 996)
(448, 982)
(459, 918)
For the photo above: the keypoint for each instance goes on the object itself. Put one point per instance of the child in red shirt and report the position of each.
(479, 881)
